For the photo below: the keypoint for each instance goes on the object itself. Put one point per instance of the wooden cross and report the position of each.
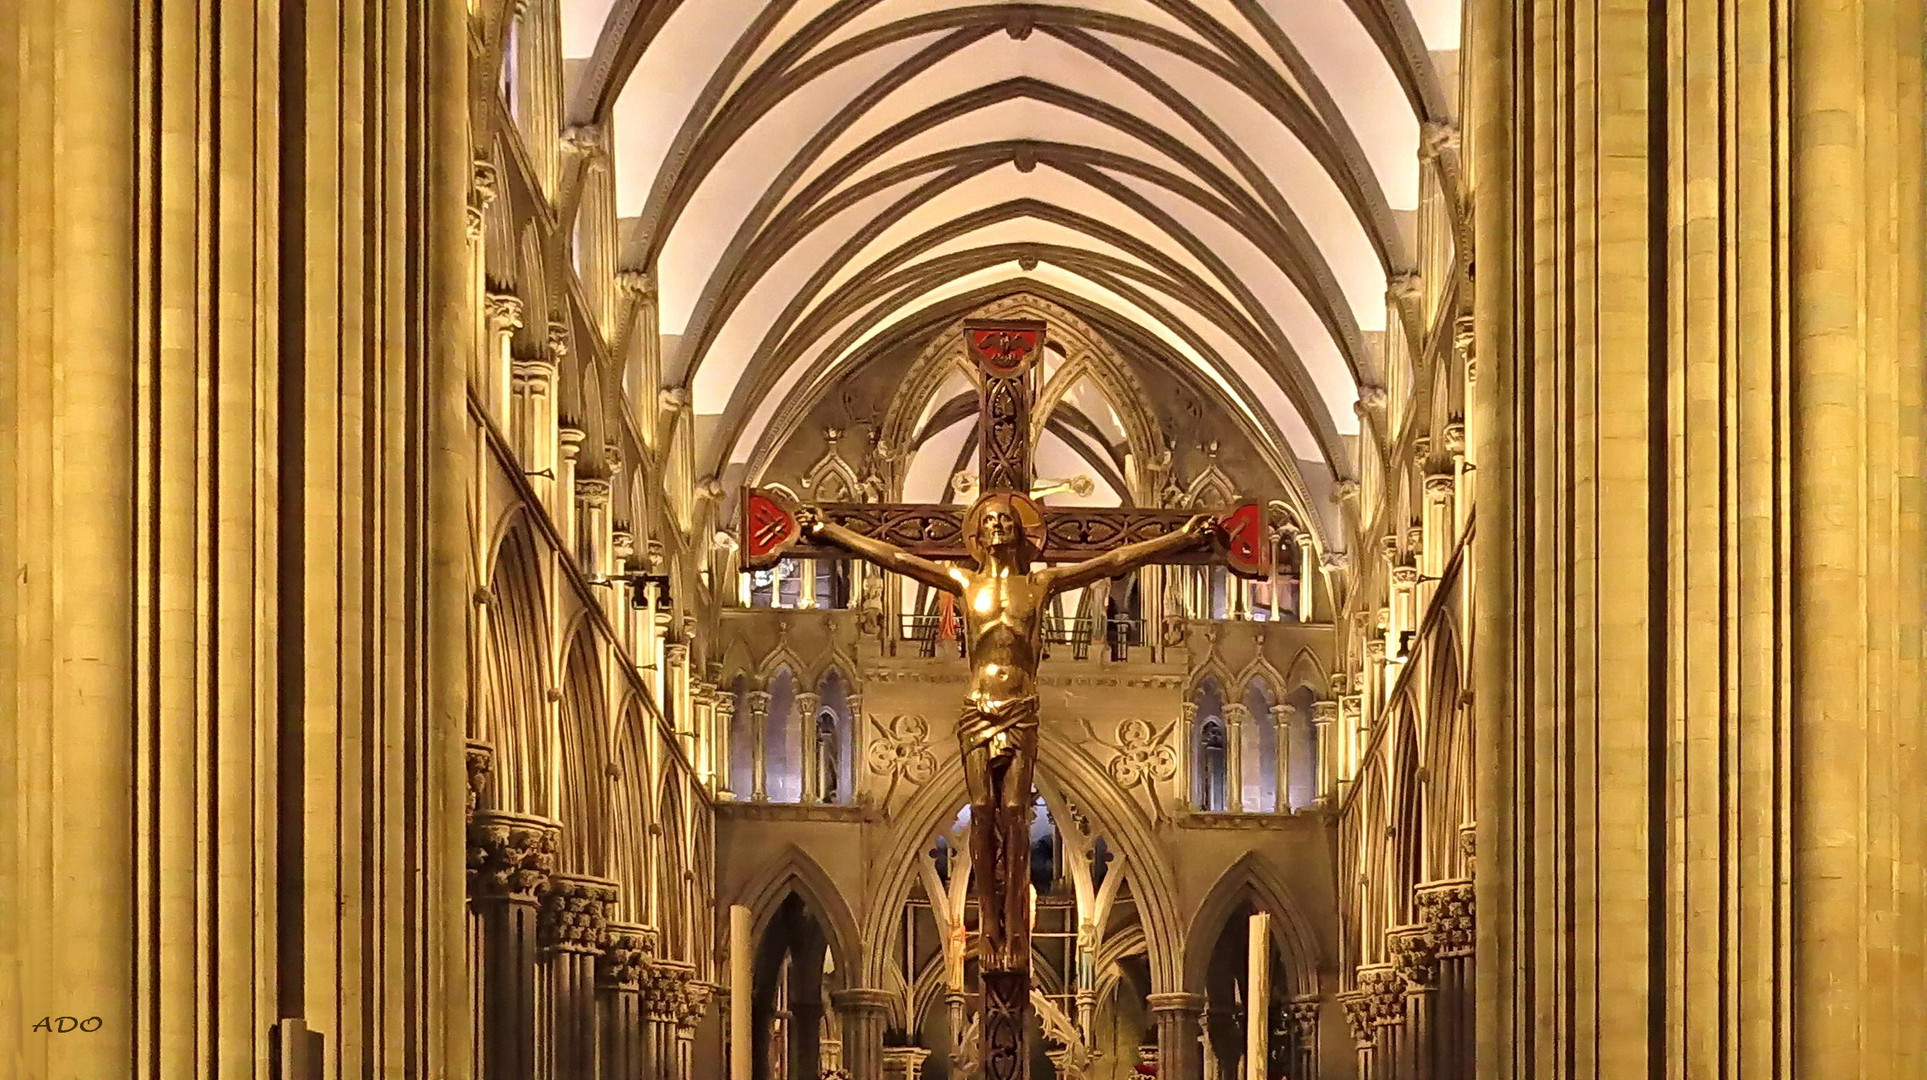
(1005, 354)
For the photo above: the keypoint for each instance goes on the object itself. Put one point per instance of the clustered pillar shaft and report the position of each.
(864, 1012)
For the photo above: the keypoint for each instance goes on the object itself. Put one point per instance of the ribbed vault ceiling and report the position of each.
(1227, 181)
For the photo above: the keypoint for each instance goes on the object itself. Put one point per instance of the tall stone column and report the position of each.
(664, 1003)
(1306, 1012)
(1282, 717)
(1415, 963)
(1180, 1057)
(1258, 997)
(758, 733)
(1700, 608)
(1324, 714)
(619, 993)
(592, 532)
(504, 312)
(725, 743)
(574, 915)
(864, 1012)
(1236, 718)
(512, 857)
(805, 707)
(1446, 910)
(696, 996)
(1358, 1016)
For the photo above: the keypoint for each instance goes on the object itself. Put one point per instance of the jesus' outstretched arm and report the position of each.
(1130, 556)
(888, 556)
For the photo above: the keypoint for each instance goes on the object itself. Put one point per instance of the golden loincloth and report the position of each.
(1002, 727)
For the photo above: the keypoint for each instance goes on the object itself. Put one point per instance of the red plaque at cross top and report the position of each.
(1006, 348)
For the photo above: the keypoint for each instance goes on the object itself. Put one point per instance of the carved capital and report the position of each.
(1447, 911)
(1455, 438)
(1345, 488)
(1324, 712)
(1358, 1013)
(636, 284)
(1384, 994)
(1439, 487)
(504, 311)
(569, 439)
(575, 911)
(582, 140)
(1371, 397)
(1237, 713)
(558, 340)
(1335, 560)
(1438, 138)
(1305, 1011)
(510, 856)
(1413, 956)
(625, 949)
(758, 702)
(673, 398)
(481, 763)
(1404, 288)
(593, 493)
(1375, 648)
(622, 542)
(1404, 577)
(664, 988)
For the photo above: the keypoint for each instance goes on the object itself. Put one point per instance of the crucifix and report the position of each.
(1003, 600)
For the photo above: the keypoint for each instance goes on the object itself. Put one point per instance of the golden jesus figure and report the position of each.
(1003, 603)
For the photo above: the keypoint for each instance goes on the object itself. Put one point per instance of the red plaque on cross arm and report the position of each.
(768, 528)
(1005, 348)
(1246, 550)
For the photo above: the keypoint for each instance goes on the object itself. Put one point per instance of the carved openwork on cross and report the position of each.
(1005, 354)
(1000, 537)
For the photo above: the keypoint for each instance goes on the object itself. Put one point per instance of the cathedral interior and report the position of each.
(391, 686)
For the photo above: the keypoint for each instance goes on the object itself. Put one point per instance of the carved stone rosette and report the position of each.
(481, 763)
(626, 949)
(1413, 956)
(511, 855)
(575, 913)
(1446, 909)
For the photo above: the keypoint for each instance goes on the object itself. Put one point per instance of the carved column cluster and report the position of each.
(1324, 714)
(573, 921)
(1306, 1012)
(511, 857)
(1177, 1017)
(626, 949)
(1445, 909)
(758, 701)
(673, 1003)
(1412, 1016)
(863, 1012)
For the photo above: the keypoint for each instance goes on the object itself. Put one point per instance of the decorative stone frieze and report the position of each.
(1447, 912)
(511, 855)
(575, 913)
